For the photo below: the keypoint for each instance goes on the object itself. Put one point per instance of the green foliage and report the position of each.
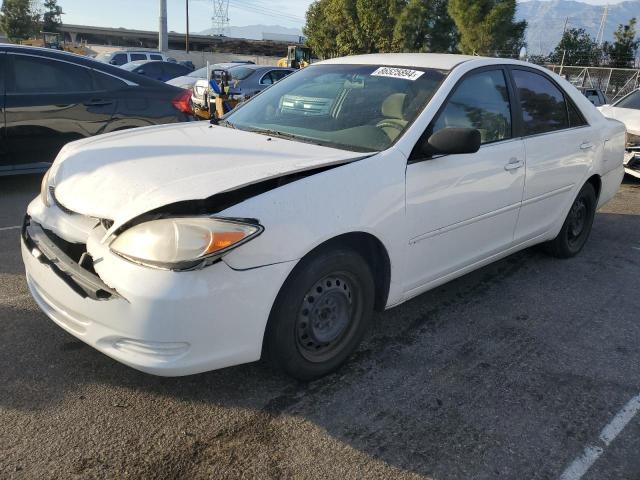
(52, 16)
(577, 47)
(17, 20)
(487, 27)
(347, 27)
(425, 26)
(622, 52)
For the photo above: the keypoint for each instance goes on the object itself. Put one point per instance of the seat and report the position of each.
(393, 110)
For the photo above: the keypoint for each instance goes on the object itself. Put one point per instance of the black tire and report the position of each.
(577, 226)
(320, 314)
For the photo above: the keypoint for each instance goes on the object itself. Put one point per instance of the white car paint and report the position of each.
(436, 219)
(631, 119)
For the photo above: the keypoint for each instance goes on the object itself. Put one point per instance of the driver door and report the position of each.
(462, 209)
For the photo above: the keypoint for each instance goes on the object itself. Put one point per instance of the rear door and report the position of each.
(49, 102)
(559, 146)
(4, 163)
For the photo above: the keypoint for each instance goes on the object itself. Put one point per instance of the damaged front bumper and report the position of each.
(160, 322)
(632, 162)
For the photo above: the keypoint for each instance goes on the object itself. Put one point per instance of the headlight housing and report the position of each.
(183, 243)
(45, 193)
(633, 141)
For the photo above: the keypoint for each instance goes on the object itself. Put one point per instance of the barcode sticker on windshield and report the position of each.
(393, 72)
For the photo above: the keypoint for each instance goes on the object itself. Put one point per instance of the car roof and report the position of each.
(82, 60)
(439, 61)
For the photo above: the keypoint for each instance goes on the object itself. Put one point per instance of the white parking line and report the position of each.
(16, 227)
(591, 453)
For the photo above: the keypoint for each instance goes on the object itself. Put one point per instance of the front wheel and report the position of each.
(577, 226)
(320, 314)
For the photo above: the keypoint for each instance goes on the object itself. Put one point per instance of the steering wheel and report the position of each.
(393, 123)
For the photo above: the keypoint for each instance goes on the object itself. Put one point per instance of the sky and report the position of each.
(143, 14)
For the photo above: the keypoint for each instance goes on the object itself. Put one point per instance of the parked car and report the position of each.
(627, 110)
(121, 57)
(357, 183)
(51, 98)
(595, 96)
(188, 81)
(157, 70)
(247, 80)
(189, 64)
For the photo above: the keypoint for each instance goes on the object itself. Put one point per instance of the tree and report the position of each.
(577, 48)
(425, 26)
(488, 27)
(52, 16)
(331, 29)
(622, 52)
(17, 19)
(376, 20)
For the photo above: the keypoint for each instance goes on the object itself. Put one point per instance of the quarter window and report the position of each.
(107, 82)
(43, 75)
(543, 105)
(155, 57)
(480, 101)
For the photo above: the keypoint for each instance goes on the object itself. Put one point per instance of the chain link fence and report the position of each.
(615, 83)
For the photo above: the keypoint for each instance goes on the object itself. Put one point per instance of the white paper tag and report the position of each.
(395, 72)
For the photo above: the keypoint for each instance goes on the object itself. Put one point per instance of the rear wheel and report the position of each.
(577, 226)
(321, 314)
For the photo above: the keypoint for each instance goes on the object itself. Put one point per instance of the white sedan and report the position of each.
(627, 110)
(352, 185)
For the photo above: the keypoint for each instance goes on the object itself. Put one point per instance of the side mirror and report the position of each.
(452, 141)
(113, 62)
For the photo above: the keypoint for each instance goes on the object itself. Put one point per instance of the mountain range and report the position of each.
(546, 20)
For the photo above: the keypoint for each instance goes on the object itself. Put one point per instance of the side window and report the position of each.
(119, 59)
(575, 117)
(107, 82)
(155, 57)
(543, 106)
(479, 101)
(138, 56)
(2, 74)
(279, 74)
(44, 75)
(267, 79)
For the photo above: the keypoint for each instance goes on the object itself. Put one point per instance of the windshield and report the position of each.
(131, 66)
(240, 73)
(630, 101)
(103, 57)
(354, 107)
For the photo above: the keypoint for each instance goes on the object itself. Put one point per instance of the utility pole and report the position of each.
(603, 24)
(163, 35)
(186, 36)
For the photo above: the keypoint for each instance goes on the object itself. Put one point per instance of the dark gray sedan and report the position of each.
(247, 80)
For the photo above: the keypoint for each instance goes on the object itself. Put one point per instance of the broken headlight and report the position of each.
(182, 243)
(633, 141)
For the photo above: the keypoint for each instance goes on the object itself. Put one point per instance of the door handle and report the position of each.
(586, 145)
(514, 164)
(97, 103)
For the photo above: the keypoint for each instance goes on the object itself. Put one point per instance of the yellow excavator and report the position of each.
(297, 57)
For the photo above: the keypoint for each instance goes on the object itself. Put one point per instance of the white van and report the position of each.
(120, 57)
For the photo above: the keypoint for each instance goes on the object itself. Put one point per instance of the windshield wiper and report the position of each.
(275, 133)
(223, 123)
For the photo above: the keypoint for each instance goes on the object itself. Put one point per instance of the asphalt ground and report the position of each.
(509, 372)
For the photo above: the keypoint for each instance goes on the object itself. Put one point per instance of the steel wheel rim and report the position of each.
(325, 317)
(577, 220)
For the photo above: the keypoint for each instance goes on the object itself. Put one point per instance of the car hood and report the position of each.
(122, 175)
(629, 116)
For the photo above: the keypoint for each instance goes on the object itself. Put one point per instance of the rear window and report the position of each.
(240, 73)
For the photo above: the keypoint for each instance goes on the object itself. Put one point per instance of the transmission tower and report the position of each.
(220, 18)
(603, 24)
